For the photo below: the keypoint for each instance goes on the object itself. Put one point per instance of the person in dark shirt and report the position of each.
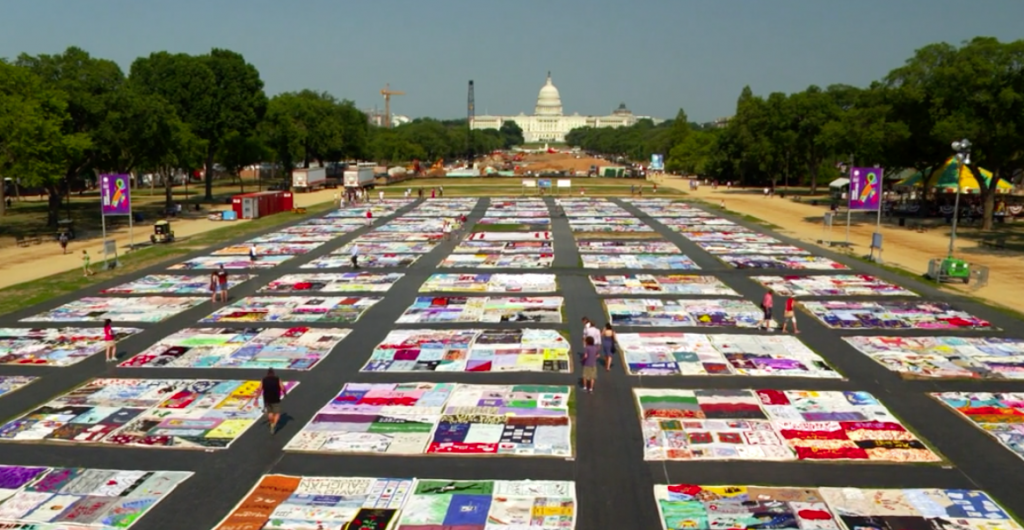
(273, 390)
(589, 364)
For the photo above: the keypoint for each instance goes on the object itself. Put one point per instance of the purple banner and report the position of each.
(115, 196)
(865, 188)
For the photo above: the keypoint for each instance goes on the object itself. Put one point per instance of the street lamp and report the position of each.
(963, 157)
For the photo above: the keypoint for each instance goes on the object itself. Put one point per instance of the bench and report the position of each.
(994, 242)
(298, 210)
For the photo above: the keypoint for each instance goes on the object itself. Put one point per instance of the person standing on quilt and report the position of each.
(253, 255)
(222, 284)
(380, 195)
(766, 306)
(272, 392)
(354, 256)
(589, 364)
(608, 345)
(213, 287)
(369, 217)
(790, 315)
(109, 340)
(446, 228)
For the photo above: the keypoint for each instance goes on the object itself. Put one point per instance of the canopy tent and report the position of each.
(839, 183)
(945, 178)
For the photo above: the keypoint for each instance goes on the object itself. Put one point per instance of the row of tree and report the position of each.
(906, 120)
(67, 117)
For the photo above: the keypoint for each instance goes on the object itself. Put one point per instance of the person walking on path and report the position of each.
(446, 228)
(86, 260)
(222, 284)
(766, 306)
(213, 287)
(272, 391)
(790, 315)
(354, 256)
(63, 243)
(589, 364)
(108, 340)
(608, 346)
(253, 255)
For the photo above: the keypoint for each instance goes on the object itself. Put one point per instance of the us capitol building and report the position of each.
(548, 124)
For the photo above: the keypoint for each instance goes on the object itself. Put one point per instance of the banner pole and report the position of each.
(103, 218)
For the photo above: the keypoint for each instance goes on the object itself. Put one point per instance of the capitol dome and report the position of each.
(549, 103)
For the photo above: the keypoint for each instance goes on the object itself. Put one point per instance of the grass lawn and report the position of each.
(37, 291)
(27, 217)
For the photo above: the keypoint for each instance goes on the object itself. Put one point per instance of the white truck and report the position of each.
(310, 179)
(359, 176)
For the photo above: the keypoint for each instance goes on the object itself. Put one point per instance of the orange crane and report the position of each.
(387, 93)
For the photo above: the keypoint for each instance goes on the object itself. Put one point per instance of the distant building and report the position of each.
(548, 123)
(376, 117)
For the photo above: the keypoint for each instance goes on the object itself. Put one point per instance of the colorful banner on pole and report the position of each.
(865, 188)
(115, 194)
(657, 162)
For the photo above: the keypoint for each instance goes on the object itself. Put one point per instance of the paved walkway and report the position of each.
(614, 484)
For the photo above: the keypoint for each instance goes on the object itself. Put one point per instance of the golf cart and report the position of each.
(162, 232)
(66, 227)
(949, 269)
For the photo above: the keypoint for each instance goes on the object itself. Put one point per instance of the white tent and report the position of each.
(839, 183)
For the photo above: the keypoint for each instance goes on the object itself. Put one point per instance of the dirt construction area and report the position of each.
(902, 247)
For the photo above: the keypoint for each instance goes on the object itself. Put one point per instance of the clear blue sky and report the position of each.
(654, 55)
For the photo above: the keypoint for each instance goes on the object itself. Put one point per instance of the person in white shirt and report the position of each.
(590, 330)
(380, 195)
(354, 256)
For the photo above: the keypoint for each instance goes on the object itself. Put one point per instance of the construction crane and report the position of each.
(387, 93)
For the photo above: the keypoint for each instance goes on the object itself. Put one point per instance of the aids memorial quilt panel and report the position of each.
(773, 425)
(946, 357)
(75, 498)
(367, 261)
(540, 212)
(490, 283)
(471, 350)
(839, 285)
(294, 309)
(704, 507)
(608, 224)
(682, 312)
(639, 261)
(892, 314)
(54, 346)
(505, 247)
(279, 348)
(498, 261)
(165, 413)
(13, 383)
(413, 224)
(627, 247)
(782, 261)
(529, 223)
(698, 354)
(173, 284)
(702, 224)
(376, 209)
(230, 263)
(345, 282)
(515, 420)
(441, 309)
(306, 234)
(1000, 415)
(509, 236)
(409, 237)
(736, 236)
(268, 249)
(490, 505)
(366, 248)
(376, 418)
(690, 284)
(723, 248)
(142, 309)
(441, 418)
(281, 501)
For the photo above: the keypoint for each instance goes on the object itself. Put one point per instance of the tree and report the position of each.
(974, 92)
(239, 103)
(512, 134)
(89, 86)
(34, 145)
(239, 151)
